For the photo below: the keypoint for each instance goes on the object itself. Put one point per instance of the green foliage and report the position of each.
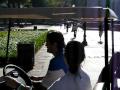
(16, 37)
(3, 43)
(39, 3)
(55, 3)
(39, 41)
(13, 3)
(47, 3)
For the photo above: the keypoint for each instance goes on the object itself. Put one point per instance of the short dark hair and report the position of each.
(56, 37)
(74, 54)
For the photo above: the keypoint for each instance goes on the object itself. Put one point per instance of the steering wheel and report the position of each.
(20, 73)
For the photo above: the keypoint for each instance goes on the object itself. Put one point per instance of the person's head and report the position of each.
(74, 55)
(54, 42)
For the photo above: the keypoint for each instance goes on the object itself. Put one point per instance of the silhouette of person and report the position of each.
(67, 26)
(76, 78)
(74, 29)
(100, 32)
(57, 67)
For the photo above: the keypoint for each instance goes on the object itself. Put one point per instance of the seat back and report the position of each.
(100, 86)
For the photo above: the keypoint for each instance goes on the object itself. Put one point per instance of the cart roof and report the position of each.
(83, 13)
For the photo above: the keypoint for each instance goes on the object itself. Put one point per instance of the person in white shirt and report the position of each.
(76, 78)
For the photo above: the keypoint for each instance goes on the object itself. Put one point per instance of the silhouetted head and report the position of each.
(55, 41)
(74, 55)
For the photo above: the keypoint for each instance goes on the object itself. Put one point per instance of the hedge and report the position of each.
(37, 37)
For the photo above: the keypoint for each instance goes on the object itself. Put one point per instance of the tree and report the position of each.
(39, 3)
(14, 3)
(80, 3)
(77, 3)
(55, 3)
(68, 3)
(47, 3)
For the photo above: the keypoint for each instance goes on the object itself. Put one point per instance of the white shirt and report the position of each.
(80, 81)
(51, 77)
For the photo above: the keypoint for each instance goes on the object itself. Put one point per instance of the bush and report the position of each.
(36, 37)
(39, 41)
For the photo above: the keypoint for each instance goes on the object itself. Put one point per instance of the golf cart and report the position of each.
(50, 13)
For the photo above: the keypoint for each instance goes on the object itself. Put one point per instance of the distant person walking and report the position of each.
(74, 29)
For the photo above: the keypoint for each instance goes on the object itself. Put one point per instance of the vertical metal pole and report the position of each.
(112, 62)
(8, 37)
(107, 81)
(112, 28)
(106, 41)
(84, 36)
